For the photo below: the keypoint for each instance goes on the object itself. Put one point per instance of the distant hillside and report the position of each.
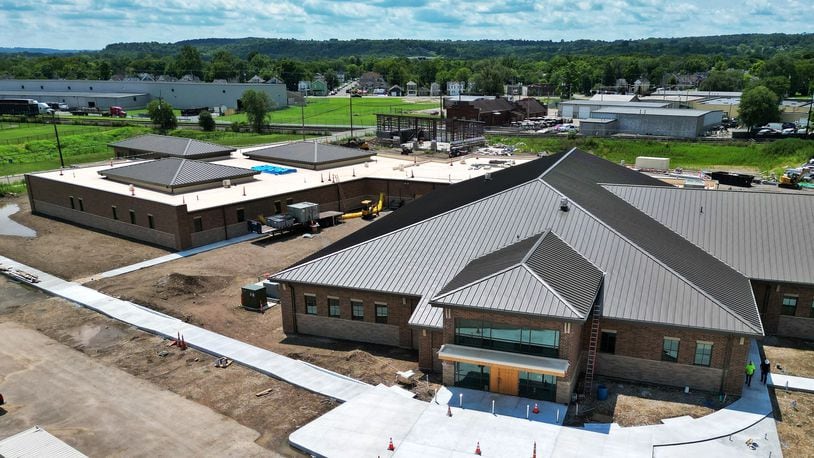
(725, 45)
(37, 51)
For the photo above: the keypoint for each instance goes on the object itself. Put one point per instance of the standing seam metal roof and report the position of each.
(303, 152)
(420, 259)
(173, 146)
(173, 172)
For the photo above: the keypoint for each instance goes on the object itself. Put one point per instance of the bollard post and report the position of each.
(527, 411)
(558, 416)
(461, 400)
(577, 408)
(493, 406)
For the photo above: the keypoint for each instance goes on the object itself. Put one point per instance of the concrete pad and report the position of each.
(511, 406)
(790, 382)
(762, 441)
(674, 420)
(103, 411)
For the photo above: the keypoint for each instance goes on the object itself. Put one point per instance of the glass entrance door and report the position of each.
(538, 386)
(504, 381)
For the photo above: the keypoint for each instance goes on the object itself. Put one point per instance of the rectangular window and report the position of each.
(289, 201)
(115, 212)
(789, 305)
(607, 342)
(333, 307)
(150, 221)
(310, 304)
(241, 215)
(537, 386)
(278, 207)
(670, 349)
(703, 354)
(472, 376)
(132, 217)
(381, 313)
(357, 310)
(73, 205)
(81, 205)
(197, 224)
(514, 339)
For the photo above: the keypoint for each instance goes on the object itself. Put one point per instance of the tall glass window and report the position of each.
(333, 307)
(514, 339)
(703, 354)
(310, 304)
(472, 376)
(538, 386)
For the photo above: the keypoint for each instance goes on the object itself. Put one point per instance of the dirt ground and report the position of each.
(69, 251)
(638, 404)
(795, 422)
(795, 356)
(49, 384)
(191, 374)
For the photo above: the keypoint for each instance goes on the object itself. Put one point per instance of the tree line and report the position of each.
(783, 63)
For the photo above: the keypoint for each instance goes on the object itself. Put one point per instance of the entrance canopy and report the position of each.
(526, 363)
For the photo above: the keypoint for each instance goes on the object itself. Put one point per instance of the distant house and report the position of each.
(492, 111)
(370, 81)
(514, 89)
(167, 78)
(340, 77)
(304, 87)
(423, 91)
(256, 79)
(412, 89)
(435, 89)
(641, 86)
(395, 91)
(532, 107)
(540, 90)
(319, 87)
(275, 80)
(456, 88)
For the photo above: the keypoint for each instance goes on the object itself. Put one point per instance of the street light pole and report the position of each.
(351, 115)
(59, 145)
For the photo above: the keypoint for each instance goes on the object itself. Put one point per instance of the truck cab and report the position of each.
(43, 108)
(117, 112)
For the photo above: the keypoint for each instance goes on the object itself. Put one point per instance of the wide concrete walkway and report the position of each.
(791, 382)
(364, 426)
(296, 372)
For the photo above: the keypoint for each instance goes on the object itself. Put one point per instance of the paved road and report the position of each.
(296, 372)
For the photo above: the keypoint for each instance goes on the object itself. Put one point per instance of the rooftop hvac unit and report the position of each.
(227, 183)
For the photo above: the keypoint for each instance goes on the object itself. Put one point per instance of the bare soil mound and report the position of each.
(176, 284)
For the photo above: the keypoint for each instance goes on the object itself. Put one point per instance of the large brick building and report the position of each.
(521, 281)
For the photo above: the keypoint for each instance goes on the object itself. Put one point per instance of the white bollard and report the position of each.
(527, 411)
(493, 406)
(558, 416)
(461, 400)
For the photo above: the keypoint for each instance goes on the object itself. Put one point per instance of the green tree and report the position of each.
(189, 62)
(206, 121)
(758, 106)
(726, 80)
(162, 115)
(256, 105)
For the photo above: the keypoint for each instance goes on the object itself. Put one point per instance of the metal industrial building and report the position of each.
(136, 94)
(565, 265)
(662, 122)
(582, 109)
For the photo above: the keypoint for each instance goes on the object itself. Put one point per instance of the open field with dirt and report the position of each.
(632, 404)
(795, 423)
(795, 356)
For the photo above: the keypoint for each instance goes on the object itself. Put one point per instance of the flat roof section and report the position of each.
(482, 356)
(616, 103)
(40, 94)
(676, 112)
(310, 155)
(170, 174)
(169, 146)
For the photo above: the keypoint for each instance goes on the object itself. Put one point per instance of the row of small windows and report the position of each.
(357, 309)
(78, 204)
(669, 349)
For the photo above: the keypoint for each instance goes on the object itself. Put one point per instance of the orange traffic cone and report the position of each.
(477, 449)
(535, 409)
(391, 447)
(449, 411)
(534, 453)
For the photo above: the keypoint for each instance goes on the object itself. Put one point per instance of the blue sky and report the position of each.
(92, 24)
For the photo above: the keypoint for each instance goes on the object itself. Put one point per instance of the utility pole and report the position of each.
(351, 115)
(808, 121)
(302, 117)
(59, 146)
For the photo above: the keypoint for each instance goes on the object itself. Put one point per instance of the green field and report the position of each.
(11, 132)
(88, 144)
(765, 158)
(336, 111)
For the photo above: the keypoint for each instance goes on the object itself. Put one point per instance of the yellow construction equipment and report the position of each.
(369, 210)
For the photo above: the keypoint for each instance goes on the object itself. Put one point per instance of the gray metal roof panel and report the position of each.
(304, 152)
(420, 259)
(762, 235)
(680, 112)
(173, 146)
(174, 172)
(35, 442)
(616, 103)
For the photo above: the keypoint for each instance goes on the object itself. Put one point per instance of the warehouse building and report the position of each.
(662, 122)
(151, 146)
(563, 266)
(136, 94)
(582, 109)
(178, 203)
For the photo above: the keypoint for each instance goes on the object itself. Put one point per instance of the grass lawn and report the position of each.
(756, 157)
(11, 132)
(229, 138)
(336, 111)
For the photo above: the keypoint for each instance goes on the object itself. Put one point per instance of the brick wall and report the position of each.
(429, 342)
(769, 297)
(396, 332)
(645, 343)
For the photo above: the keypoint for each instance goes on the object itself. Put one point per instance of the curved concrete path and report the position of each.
(296, 372)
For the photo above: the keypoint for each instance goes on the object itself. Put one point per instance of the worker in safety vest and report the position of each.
(750, 371)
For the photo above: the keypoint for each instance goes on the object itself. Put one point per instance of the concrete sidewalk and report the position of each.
(791, 382)
(364, 426)
(296, 372)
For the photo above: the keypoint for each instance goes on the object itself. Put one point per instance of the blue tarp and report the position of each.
(273, 169)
